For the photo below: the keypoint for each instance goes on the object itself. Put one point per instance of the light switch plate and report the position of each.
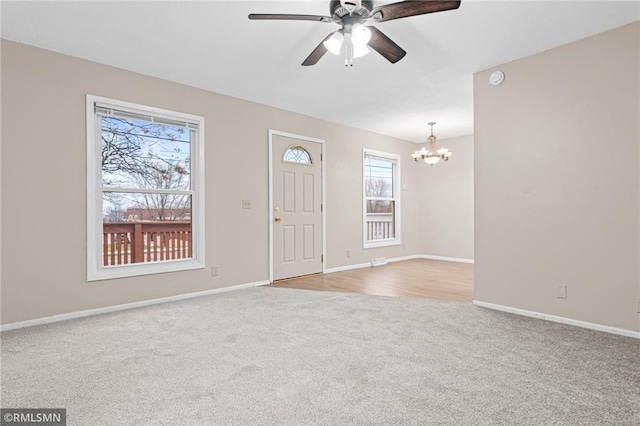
(562, 292)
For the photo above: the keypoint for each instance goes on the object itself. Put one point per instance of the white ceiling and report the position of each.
(212, 45)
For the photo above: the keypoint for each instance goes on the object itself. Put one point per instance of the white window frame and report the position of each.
(397, 240)
(95, 270)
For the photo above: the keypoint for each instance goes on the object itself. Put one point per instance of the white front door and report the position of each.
(297, 204)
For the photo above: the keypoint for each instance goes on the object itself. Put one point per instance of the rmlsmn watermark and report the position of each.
(33, 416)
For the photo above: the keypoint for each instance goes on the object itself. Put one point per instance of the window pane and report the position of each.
(297, 154)
(142, 154)
(378, 177)
(380, 220)
(140, 228)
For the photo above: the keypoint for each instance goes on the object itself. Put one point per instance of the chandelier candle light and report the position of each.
(432, 156)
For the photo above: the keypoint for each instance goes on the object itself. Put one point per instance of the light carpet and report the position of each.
(277, 356)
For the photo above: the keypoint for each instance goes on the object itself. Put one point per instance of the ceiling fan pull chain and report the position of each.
(348, 50)
(347, 44)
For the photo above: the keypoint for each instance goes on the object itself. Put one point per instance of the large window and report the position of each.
(381, 204)
(144, 190)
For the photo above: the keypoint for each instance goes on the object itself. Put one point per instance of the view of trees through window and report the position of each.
(379, 198)
(146, 197)
(150, 156)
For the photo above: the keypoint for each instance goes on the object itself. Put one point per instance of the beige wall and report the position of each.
(0, 178)
(557, 181)
(43, 185)
(344, 196)
(446, 202)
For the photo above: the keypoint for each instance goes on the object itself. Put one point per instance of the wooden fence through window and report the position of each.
(379, 230)
(138, 242)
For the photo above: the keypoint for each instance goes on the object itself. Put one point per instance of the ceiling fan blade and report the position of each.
(288, 17)
(405, 9)
(317, 53)
(385, 46)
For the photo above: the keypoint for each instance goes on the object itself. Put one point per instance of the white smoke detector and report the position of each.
(496, 78)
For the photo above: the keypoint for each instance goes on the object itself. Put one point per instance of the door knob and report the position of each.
(277, 219)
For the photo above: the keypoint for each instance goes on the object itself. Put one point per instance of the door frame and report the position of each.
(273, 133)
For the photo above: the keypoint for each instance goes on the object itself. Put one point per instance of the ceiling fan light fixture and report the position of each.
(360, 35)
(359, 51)
(352, 15)
(334, 43)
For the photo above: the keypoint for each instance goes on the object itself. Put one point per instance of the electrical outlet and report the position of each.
(246, 204)
(214, 271)
(638, 307)
(562, 292)
(348, 253)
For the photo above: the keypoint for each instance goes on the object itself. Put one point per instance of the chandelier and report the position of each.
(431, 156)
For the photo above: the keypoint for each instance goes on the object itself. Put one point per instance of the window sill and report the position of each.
(381, 243)
(134, 270)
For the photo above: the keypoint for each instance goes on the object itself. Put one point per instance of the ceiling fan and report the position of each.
(354, 35)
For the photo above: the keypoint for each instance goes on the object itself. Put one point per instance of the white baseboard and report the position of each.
(347, 267)
(368, 264)
(397, 259)
(106, 309)
(446, 259)
(402, 258)
(563, 320)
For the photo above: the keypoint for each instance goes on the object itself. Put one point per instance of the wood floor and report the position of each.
(418, 278)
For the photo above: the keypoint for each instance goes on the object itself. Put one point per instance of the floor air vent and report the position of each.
(377, 261)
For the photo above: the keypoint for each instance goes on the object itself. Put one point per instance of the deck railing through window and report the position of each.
(380, 226)
(138, 242)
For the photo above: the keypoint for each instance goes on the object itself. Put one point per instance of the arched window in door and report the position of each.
(297, 154)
